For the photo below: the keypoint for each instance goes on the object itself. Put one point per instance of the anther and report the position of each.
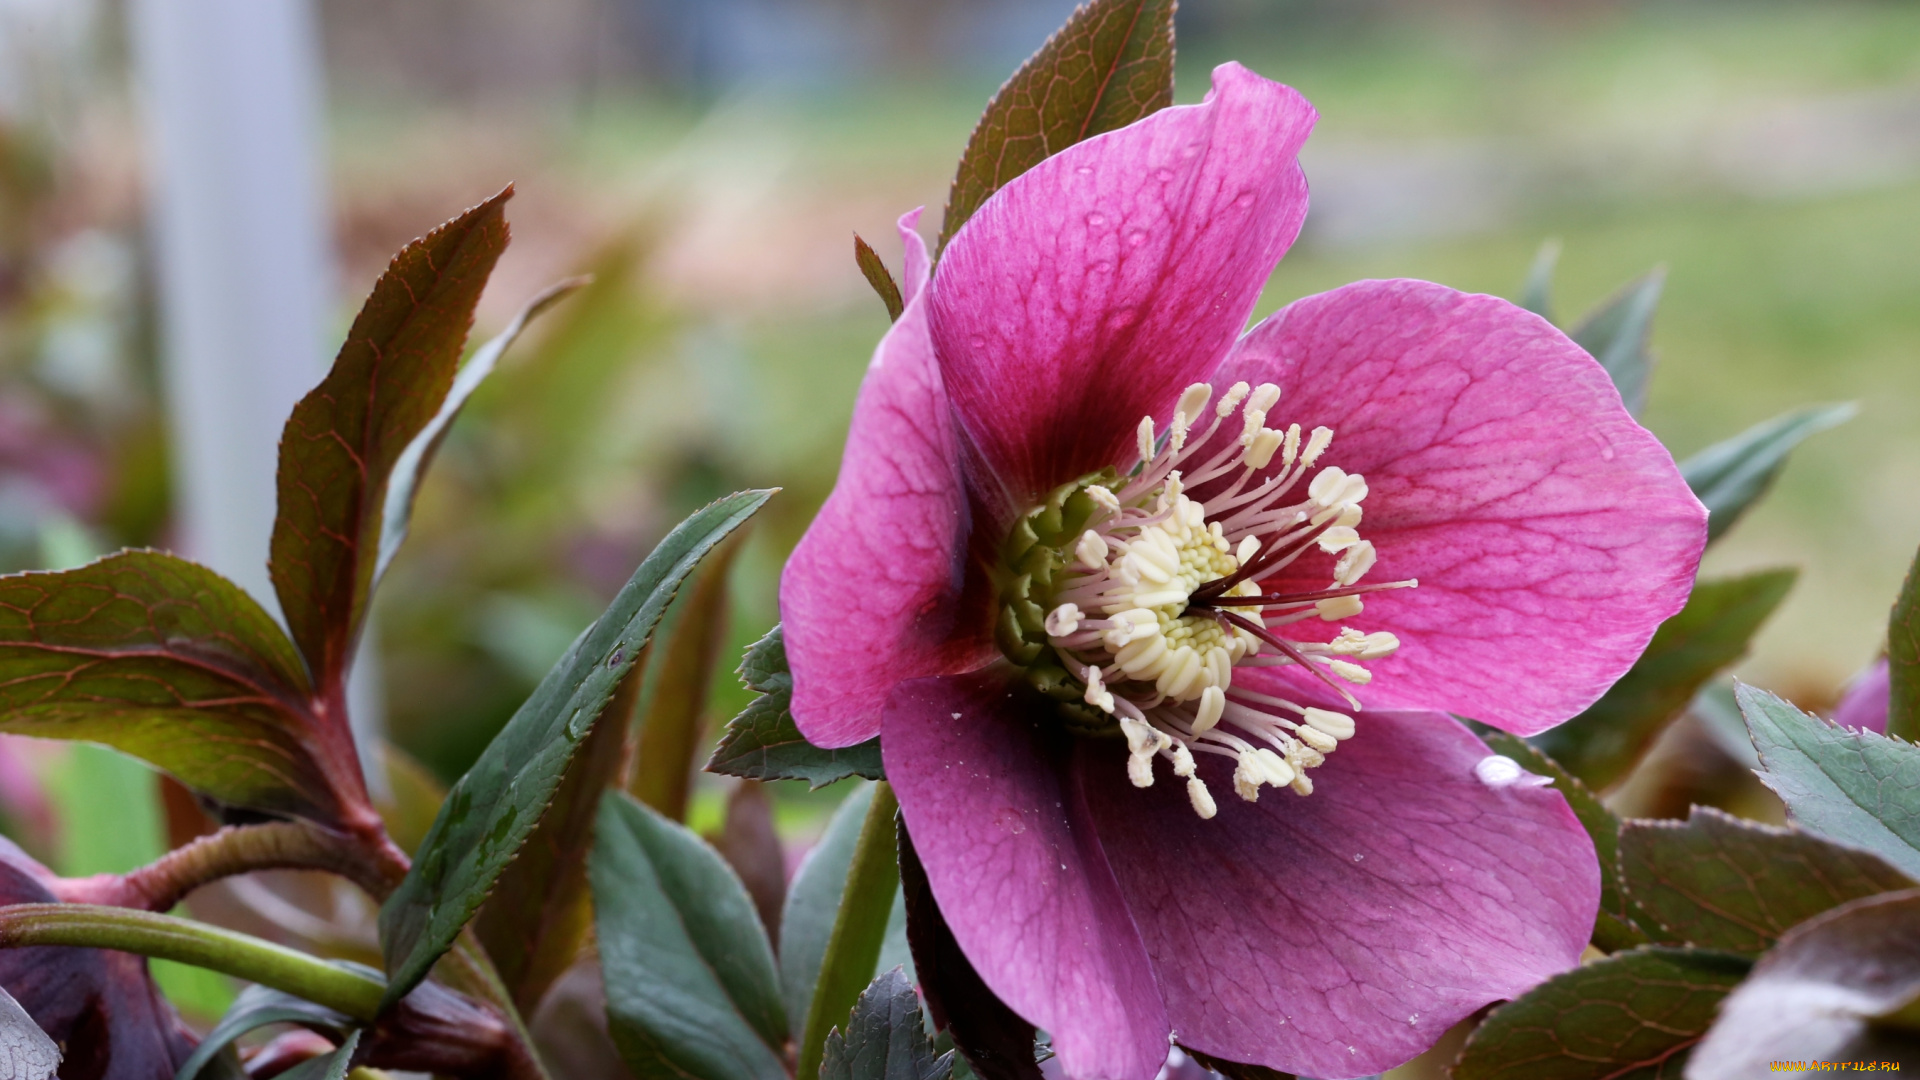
(1337, 538)
(1063, 620)
(1192, 401)
(1317, 444)
(1231, 400)
(1260, 450)
(1338, 725)
(1351, 672)
(1213, 704)
(1092, 550)
(1145, 436)
(1098, 695)
(1201, 798)
(1354, 562)
(1339, 607)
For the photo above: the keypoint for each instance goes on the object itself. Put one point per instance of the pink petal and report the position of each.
(1867, 699)
(979, 771)
(1340, 934)
(873, 592)
(916, 266)
(1550, 533)
(1090, 290)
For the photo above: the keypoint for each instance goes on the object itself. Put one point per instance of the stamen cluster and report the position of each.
(1131, 603)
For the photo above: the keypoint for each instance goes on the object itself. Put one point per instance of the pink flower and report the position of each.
(1867, 699)
(1099, 571)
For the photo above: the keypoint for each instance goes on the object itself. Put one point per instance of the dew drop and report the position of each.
(1245, 200)
(1499, 771)
(1085, 170)
(1096, 219)
(1163, 175)
(1357, 858)
(978, 342)
(1137, 237)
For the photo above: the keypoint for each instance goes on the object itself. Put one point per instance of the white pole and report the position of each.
(233, 103)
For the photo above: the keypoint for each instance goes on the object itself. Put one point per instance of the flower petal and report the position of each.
(1342, 933)
(1867, 699)
(1091, 289)
(1550, 533)
(1017, 871)
(873, 592)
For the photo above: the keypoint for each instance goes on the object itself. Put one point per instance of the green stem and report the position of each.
(860, 927)
(187, 942)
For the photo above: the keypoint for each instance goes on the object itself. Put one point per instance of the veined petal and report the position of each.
(873, 593)
(1017, 871)
(1092, 288)
(1867, 700)
(1550, 533)
(1342, 933)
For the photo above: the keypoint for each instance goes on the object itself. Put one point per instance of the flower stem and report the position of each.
(240, 849)
(188, 942)
(853, 949)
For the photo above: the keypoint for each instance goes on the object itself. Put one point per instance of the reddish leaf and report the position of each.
(170, 662)
(1903, 659)
(751, 845)
(1111, 64)
(674, 698)
(878, 276)
(343, 439)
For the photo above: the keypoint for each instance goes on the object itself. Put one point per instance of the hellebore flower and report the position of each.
(1099, 570)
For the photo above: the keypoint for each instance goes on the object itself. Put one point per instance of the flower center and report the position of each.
(1130, 603)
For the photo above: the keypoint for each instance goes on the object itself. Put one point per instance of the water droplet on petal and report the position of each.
(1245, 200)
(1096, 219)
(1137, 237)
(1163, 175)
(1085, 170)
(1498, 771)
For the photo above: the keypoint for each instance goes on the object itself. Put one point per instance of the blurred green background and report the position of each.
(712, 168)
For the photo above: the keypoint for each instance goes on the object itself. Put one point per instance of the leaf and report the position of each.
(1903, 659)
(1709, 634)
(1730, 476)
(1855, 787)
(763, 742)
(255, 1008)
(174, 664)
(1239, 1070)
(492, 809)
(806, 921)
(1815, 996)
(673, 700)
(1616, 927)
(410, 467)
(1716, 710)
(691, 989)
(537, 917)
(1111, 64)
(345, 437)
(1616, 333)
(885, 1038)
(751, 845)
(1632, 1016)
(1718, 882)
(26, 1053)
(859, 927)
(1537, 294)
(877, 275)
(332, 1066)
(413, 796)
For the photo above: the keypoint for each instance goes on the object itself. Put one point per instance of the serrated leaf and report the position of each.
(673, 700)
(1716, 710)
(492, 809)
(334, 1066)
(174, 664)
(806, 920)
(1816, 995)
(877, 275)
(1717, 882)
(341, 443)
(1903, 659)
(1616, 926)
(26, 1053)
(1707, 636)
(1111, 64)
(1632, 1016)
(764, 743)
(1616, 332)
(885, 1038)
(537, 917)
(1730, 476)
(1855, 787)
(1537, 294)
(255, 1008)
(403, 482)
(691, 989)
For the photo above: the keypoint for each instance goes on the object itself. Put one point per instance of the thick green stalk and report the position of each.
(187, 942)
(859, 929)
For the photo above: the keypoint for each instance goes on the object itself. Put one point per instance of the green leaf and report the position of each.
(859, 928)
(1709, 634)
(344, 438)
(255, 1008)
(26, 1053)
(764, 743)
(174, 664)
(1717, 882)
(1730, 476)
(1616, 927)
(1903, 659)
(1854, 787)
(691, 989)
(806, 920)
(1716, 710)
(885, 1038)
(1816, 995)
(1633, 1016)
(492, 809)
(877, 276)
(538, 915)
(1111, 64)
(1537, 295)
(403, 483)
(1616, 333)
(673, 700)
(334, 1066)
